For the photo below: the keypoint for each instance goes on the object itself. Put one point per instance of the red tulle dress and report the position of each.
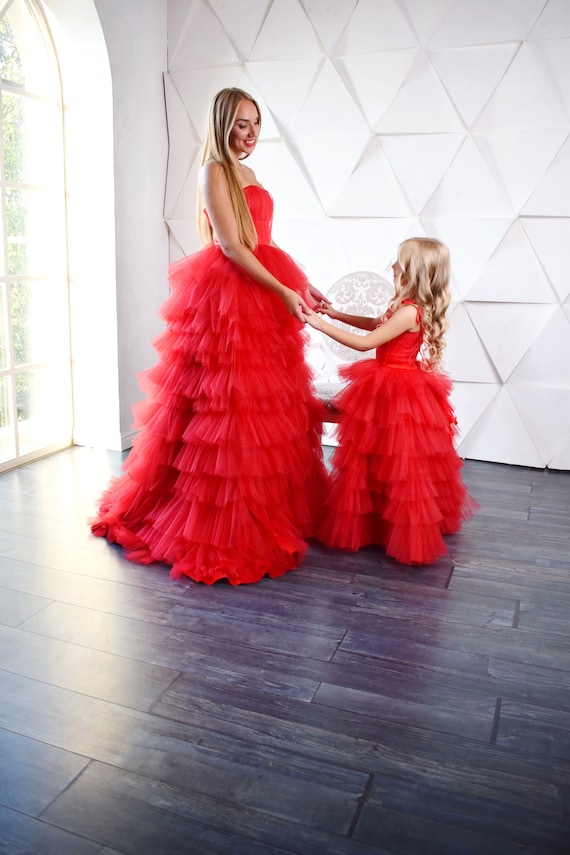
(225, 479)
(396, 474)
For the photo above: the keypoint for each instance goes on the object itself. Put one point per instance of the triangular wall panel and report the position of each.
(550, 239)
(286, 33)
(547, 362)
(513, 273)
(422, 105)
(420, 162)
(375, 25)
(241, 21)
(554, 21)
(329, 19)
(552, 195)
(508, 330)
(472, 74)
(204, 42)
(501, 435)
(519, 159)
(376, 78)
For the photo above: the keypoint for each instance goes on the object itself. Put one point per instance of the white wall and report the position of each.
(388, 118)
(112, 55)
(136, 37)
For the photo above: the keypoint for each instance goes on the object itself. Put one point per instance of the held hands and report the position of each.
(320, 300)
(295, 305)
(314, 320)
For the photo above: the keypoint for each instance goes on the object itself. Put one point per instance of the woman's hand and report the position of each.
(320, 300)
(295, 304)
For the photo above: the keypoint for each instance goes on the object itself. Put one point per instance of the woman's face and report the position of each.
(245, 131)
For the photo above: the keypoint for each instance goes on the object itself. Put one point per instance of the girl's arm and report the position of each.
(358, 321)
(403, 320)
(217, 200)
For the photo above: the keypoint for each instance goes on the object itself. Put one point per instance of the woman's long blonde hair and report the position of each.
(425, 280)
(221, 118)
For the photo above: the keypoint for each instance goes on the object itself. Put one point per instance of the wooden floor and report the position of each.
(351, 706)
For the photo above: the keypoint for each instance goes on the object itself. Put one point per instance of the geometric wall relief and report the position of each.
(501, 435)
(241, 21)
(470, 401)
(287, 30)
(285, 85)
(552, 194)
(546, 414)
(375, 25)
(547, 361)
(469, 188)
(420, 161)
(526, 98)
(422, 105)
(513, 273)
(329, 19)
(371, 243)
(486, 22)
(330, 162)
(550, 238)
(519, 159)
(183, 149)
(372, 190)
(465, 357)
(385, 119)
(472, 74)
(508, 330)
(471, 243)
(376, 78)
(201, 40)
(554, 21)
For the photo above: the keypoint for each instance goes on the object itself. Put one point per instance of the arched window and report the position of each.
(35, 363)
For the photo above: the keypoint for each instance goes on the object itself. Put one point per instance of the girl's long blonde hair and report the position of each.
(425, 280)
(221, 118)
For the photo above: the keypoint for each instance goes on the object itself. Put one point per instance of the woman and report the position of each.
(225, 479)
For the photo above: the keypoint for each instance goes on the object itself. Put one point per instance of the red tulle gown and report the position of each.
(225, 479)
(396, 474)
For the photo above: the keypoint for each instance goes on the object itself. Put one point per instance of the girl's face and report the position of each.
(397, 271)
(245, 131)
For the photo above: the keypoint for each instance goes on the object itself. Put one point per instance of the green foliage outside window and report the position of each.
(11, 71)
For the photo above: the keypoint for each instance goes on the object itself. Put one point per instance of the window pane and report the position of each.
(7, 438)
(10, 64)
(26, 57)
(39, 322)
(4, 355)
(32, 134)
(43, 403)
(35, 232)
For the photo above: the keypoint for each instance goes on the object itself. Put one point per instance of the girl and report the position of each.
(226, 479)
(396, 475)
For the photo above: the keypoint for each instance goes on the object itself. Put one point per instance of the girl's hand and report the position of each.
(295, 305)
(314, 320)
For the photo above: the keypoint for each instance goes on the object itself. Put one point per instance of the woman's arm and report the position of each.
(403, 320)
(217, 200)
